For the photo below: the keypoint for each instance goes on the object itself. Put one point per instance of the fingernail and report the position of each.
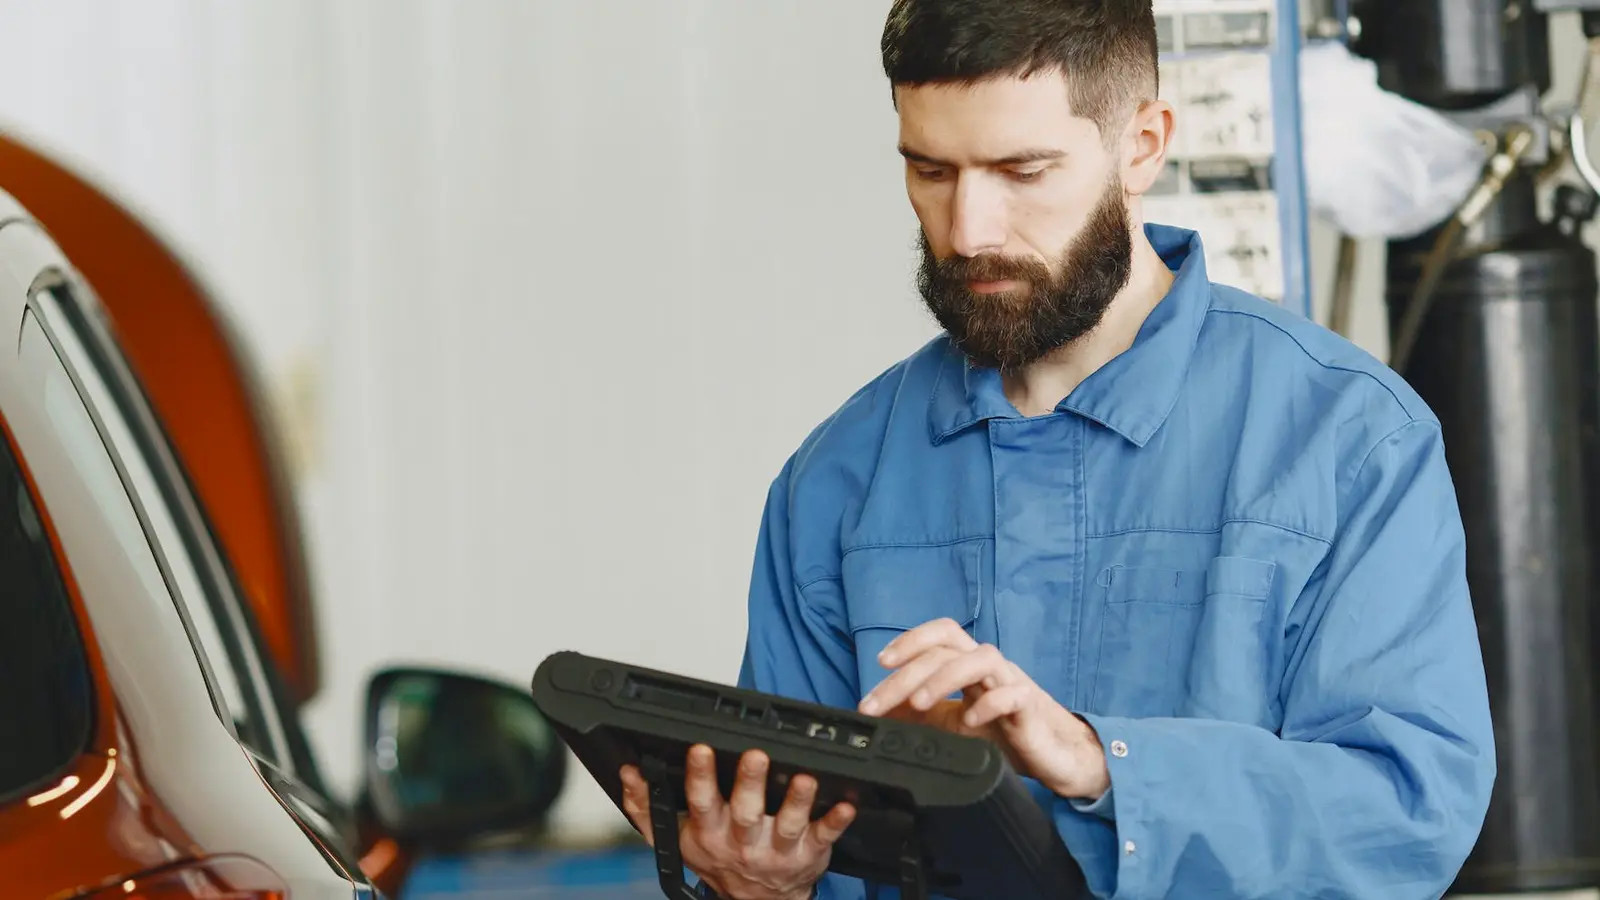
(869, 706)
(922, 700)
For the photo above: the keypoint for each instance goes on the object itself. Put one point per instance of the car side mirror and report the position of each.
(452, 757)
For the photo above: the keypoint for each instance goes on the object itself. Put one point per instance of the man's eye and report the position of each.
(930, 174)
(1027, 176)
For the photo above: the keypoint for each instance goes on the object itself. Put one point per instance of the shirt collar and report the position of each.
(1133, 393)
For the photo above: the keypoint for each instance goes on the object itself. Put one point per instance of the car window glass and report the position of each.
(47, 723)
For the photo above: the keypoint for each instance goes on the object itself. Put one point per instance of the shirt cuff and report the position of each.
(1131, 759)
(1105, 806)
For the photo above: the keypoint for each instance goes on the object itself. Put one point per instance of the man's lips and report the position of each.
(992, 287)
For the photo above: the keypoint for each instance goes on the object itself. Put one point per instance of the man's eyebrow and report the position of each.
(1015, 159)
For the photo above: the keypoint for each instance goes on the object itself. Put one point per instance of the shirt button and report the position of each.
(1119, 749)
(1129, 847)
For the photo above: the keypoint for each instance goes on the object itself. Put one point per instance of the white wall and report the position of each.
(549, 289)
(591, 299)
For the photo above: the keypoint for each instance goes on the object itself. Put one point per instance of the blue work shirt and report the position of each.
(1234, 550)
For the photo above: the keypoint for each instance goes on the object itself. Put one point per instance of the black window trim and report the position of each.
(96, 333)
(216, 578)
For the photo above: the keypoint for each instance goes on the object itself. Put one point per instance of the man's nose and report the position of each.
(977, 223)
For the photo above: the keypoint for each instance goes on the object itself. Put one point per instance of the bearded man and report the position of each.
(1192, 561)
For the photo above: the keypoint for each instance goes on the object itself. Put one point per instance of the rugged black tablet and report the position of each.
(937, 813)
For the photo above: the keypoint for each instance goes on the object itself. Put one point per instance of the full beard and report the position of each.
(1011, 329)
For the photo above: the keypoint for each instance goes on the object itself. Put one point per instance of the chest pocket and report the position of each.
(890, 590)
(1187, 642)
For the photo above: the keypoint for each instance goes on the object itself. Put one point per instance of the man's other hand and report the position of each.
(733, 844)
(1043, 739)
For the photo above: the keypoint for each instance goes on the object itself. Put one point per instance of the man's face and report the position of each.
(1025, 229)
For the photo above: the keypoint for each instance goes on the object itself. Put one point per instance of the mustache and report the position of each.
(990, 267)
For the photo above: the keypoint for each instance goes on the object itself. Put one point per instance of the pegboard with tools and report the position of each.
(1230, 68)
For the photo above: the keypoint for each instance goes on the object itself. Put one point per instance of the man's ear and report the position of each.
(1148, 138)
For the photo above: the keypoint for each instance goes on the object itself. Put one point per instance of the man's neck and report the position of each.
(1040, 387)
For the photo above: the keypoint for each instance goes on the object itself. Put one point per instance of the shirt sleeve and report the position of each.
(1378, 782)
(797, 647)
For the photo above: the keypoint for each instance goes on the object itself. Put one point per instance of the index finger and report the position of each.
(940, 632)
(706, 807)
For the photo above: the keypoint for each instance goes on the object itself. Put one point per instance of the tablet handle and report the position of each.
(664, 828)
(913, 883)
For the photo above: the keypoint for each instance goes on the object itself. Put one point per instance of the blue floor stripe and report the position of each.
(626, 873)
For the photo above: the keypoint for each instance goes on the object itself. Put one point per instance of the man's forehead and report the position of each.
(995, 118)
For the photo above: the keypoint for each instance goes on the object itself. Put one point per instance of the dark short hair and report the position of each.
(1106, 49)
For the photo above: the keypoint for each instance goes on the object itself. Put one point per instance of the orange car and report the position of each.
(153, 647)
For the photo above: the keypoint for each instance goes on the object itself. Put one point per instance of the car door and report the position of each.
(86, 418)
